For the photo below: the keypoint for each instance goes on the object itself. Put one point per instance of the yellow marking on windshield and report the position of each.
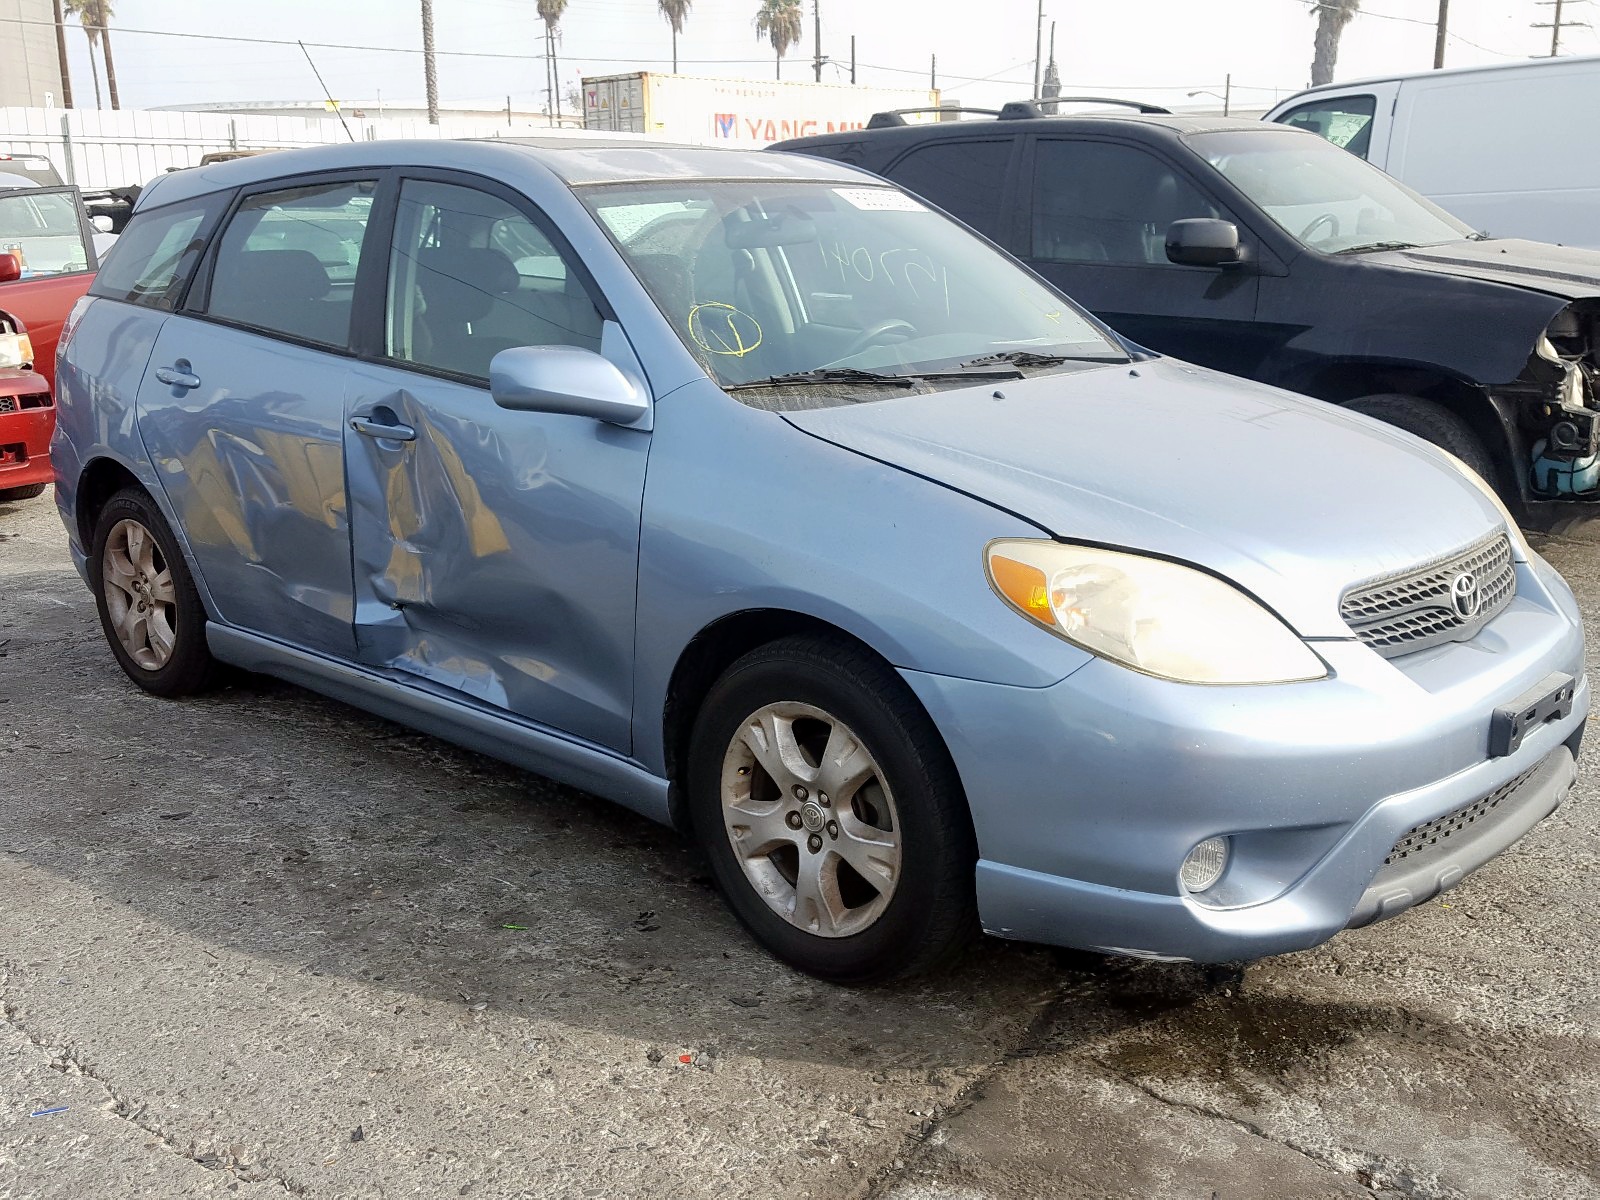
(723, 329)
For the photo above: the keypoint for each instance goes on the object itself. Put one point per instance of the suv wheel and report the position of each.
(1432, 422)
(832, 814)
(149, 608)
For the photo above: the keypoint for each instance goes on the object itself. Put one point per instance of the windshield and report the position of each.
(42, 229)
(1324, 197)
(776, 278)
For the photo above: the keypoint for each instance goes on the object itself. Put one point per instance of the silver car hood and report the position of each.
(1293, 499)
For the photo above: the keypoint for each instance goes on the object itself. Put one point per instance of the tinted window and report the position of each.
(42, 229)
(287, 261)
(1099, 202)
(1346, 121)
(470, 276)
(962, 177)
(153, 259)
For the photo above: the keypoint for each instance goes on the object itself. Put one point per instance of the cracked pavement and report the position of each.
(262, 944)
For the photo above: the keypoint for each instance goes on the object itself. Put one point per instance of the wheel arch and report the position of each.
(101, 479)
(708, 654)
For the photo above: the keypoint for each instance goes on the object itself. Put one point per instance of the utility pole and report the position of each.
(816, 61)
(1227, 92)
(1038, 48)
(933, 72)
(430, 69)
(852, 58)
(1440, 33)
(1556, 24)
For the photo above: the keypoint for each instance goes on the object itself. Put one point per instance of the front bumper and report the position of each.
(1087, 795)
(27, 419)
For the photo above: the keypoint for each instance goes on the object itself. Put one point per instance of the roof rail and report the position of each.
(897, 116)
(1024, 110)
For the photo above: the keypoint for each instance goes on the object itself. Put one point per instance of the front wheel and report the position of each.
(11, 495)
(831, 812)
(149, 608)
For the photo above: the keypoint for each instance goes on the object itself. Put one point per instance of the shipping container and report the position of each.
(737, 112)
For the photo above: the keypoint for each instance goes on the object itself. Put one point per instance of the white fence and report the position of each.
(98, 149)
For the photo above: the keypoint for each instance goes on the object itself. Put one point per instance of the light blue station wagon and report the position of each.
(753, 494)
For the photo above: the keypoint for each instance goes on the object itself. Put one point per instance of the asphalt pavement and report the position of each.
(261, 943)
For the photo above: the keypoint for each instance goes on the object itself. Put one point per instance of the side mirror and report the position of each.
(101, 223)
(10, 268)
(565, 379)
(1204, 242)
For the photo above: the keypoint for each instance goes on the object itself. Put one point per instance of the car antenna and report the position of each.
(332, 103)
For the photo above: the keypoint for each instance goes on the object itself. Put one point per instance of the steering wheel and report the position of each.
(871, 336)
(1325, 219)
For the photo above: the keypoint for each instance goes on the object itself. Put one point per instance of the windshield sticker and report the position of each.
(879, 200)
(723, 329)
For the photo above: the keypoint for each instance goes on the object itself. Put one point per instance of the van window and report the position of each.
(1101, 202)
(962, 177)
(470, 276)
(1346, 121)
(151, 262)
(287, 261)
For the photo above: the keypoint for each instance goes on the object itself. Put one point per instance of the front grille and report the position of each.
(8, 404)
(1414, 610)
(1421, 838)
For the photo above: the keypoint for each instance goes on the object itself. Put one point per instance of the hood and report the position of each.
(1564, 271)
(1292, 499)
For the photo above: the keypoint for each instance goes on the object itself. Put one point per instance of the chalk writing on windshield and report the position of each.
(723, 329)
(909, 268)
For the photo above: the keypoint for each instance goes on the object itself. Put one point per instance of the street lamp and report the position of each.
(1226, 95)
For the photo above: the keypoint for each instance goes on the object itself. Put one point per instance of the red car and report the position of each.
(47, 260)
(27, 414)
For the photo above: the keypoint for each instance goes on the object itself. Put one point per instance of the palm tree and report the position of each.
(551, 12)
(95, 17)
(1332, 17)
(61, 54)
(674, 11)
(780, 22)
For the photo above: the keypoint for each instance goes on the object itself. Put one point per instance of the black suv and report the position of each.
(1269, 253)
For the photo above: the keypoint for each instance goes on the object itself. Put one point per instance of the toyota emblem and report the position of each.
(1465, 595)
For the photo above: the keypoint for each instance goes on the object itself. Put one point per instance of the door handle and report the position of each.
(377, 429)
(178, 375)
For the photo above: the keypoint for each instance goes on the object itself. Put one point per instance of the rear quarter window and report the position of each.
(152, 262)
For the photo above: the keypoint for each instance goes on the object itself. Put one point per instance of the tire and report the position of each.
(11, 495)
(899, 810)
(165, 651)
(1432, 422)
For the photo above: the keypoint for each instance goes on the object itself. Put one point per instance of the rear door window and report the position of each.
(964, 177)
(286, 261)
(1346, 121)
(150, 264)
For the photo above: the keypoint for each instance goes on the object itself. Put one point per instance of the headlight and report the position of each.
(15, 350)
(1149, 614)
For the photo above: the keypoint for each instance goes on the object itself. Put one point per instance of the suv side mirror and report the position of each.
(565, 379)
(101, 222)
(10, 268)
(1204, 242)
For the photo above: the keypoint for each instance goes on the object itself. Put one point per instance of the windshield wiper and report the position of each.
(1019, 358)
(825, 375)
(1374, 246)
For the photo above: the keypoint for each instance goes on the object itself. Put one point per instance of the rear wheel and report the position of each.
(149, 608)
(11, 495)
(832, 814)
(1432, 422)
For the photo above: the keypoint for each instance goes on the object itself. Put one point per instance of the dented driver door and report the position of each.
(495, 552)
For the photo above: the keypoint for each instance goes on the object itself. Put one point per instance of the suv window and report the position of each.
(1346, 121)
(153, 259)
(1103, 202)
(42, 229)
(470, 276)
(961, 176)
(287, 260)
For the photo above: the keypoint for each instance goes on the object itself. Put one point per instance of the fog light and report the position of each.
(1204, 864)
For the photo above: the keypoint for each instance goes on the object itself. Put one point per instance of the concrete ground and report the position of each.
(261, 943)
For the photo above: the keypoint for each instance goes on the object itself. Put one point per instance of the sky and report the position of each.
(1159, 50)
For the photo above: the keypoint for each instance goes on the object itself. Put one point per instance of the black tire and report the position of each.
(931, 912)
(11, 495)
(190, 668)
(1432, 422)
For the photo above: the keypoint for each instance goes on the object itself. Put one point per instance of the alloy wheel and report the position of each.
(139, 593)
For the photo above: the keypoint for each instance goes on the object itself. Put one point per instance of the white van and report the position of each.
(1512, 149)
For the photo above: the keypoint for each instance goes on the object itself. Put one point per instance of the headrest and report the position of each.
(280, 274)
